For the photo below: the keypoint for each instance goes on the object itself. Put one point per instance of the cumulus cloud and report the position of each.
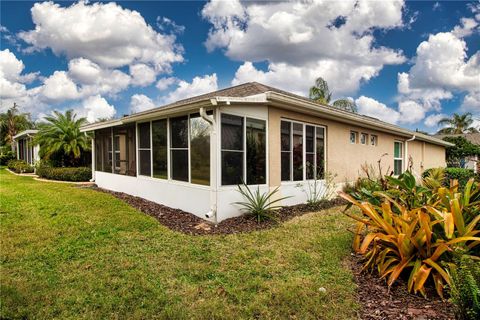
(140, 102)
(59, 87)
(304, 40)
(95, 108)
(12, 81)
(373, 108)
(198, 86)
(164, 83)
(471, 103)
(106, 34)
(432, 120)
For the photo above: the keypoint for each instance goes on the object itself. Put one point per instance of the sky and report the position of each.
(407, 63)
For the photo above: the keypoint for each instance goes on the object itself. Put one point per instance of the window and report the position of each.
(353, 137)
(199, 150)
(294, 158)
(256, 151)
(124, 150)
(373, 140)
(363, 138)
(232, 149)
(159, 149)
(144, 149)
(286, 150)
(398, 158)
(179, 148)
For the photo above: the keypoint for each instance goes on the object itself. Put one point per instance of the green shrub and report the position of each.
(65, 174)
(6, 157)
(465, 288)
(19, 166)
(460, 174)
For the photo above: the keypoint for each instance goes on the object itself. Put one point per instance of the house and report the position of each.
(470, 161)
(25, 148)
(192, 154)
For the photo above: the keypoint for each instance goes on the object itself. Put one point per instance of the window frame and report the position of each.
(244, 167)
(304, 124)
(401, 158)
(375, 137)
(350, 136)
(366, 135)
(144, 149)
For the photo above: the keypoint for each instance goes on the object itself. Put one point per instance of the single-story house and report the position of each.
(25, 148)
(192, 154)
(471, 161)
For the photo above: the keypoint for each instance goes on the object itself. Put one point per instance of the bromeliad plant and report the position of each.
(417, 239)
(259, 205)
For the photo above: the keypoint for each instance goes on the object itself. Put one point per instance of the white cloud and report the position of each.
(95, 108)
(12, 81)
(198, 86)
(142, 75)
(471, 103)
(140, 102)
(164, 83)
(411, 111)
(106, 34)
(467, 28)
(302, 40)
(432, 120)
(373, 108)
(59, 87)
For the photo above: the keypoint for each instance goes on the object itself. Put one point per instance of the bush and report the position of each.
(19, 166)
(460, 174)
(65, 174)
(465, 291)
(6, 157)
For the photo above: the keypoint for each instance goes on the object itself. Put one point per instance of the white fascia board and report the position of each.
(257, 98)
(25, 133)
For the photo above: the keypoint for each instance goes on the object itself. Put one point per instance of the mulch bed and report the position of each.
(378, 302)
(188, 223)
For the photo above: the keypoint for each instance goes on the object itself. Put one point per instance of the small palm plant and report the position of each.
(257, 204)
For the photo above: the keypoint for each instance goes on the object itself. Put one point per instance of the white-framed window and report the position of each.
(363, 138)
(353, 137)
(373, 140)
(243, 150)
(398, 158)
(302, 151)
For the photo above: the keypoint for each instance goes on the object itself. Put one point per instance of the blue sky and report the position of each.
(408, 63)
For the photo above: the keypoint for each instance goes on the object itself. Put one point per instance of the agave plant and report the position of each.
(257, 204)
(398, 240)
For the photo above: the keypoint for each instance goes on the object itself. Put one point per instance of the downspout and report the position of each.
(93, 158)
(213, 165)
(406, 152)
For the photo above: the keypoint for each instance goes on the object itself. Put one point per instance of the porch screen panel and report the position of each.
(256, 151)
(232, 149)
(124, 150)
(179, 148)
(199, 150)
(159, 149)
(320, 152)
(310, 152)
(103, 150)
(286, 150)
(297, 151)
(144, 148)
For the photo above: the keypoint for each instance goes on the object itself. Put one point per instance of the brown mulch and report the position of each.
(188, 223)
(378, 302)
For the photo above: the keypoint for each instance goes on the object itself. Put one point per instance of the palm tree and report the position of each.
(321, 93)
(61, 134)
(457, 123)
(12, 122)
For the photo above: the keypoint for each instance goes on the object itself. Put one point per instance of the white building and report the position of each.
(25, 148)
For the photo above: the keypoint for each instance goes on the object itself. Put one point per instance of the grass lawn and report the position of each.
(72, 253)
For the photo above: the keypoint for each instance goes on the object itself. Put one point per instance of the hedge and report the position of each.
(65, 174)
(19, 166)
(460, 174)
(6, 157)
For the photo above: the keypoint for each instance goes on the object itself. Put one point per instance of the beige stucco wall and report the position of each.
(345, 159)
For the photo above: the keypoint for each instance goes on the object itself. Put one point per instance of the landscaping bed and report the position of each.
(188, 223)
(378, 302)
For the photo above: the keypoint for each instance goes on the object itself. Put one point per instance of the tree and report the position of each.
(457, 123)
(462, 148)
(321, 93)
(12, 122)
(60, 134)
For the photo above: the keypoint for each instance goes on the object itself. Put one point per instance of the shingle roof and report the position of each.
(472, 137)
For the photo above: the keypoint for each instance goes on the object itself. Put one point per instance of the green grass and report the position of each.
(73, 253)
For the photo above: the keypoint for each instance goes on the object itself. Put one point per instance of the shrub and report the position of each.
(414, 230)
(460, 174)
(65, 174)
(465, 289)
(6, 157)
(259, 205)
(19, 166)
(318, 191)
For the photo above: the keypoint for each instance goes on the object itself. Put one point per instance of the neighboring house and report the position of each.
(468, 162)
(191, 154)
(24, 146)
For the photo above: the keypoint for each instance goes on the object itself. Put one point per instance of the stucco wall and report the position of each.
(344, 158)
